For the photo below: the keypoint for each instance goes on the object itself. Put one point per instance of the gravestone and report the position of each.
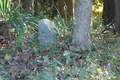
(47, 32)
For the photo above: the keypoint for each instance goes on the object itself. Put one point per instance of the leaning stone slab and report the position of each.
(47, 32)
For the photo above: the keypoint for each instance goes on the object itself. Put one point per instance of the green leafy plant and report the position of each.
(4, 4)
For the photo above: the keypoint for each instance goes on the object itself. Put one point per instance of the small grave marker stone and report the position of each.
(47, 32)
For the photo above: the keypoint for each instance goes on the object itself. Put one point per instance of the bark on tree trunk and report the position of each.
(69, 7)
(108, 11)
(81, 30)
(117, 16)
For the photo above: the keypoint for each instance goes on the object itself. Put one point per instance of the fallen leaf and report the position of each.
(118, 79)
(69, 67)
(66, 33)
(103, 34)
(18, 18)
(61, 39)
(1, 33)
(95, 72)
(4, 45)
(53, 69)
(60, 48)
(99, 70)
(7, 56)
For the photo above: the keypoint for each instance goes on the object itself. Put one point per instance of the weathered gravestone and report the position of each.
(47, 32)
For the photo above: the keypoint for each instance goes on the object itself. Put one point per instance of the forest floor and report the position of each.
(24, 59)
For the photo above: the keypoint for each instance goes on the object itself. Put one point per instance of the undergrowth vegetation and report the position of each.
(22, 58)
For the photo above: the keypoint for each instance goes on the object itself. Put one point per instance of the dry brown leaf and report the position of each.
(4, 45)
(60, 48)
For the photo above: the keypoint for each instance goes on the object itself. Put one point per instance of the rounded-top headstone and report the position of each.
(47, 32)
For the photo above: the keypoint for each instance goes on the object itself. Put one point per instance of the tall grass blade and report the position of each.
(8, 3)
(77, 13)
(16, 29)
(22, 26)
(60, 16)
(62, 22)
(4, 5)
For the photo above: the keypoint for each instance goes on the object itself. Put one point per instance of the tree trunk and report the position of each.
(117, 16)
(108, 11)
(69, 7)
(81, 30)
(28, 6)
